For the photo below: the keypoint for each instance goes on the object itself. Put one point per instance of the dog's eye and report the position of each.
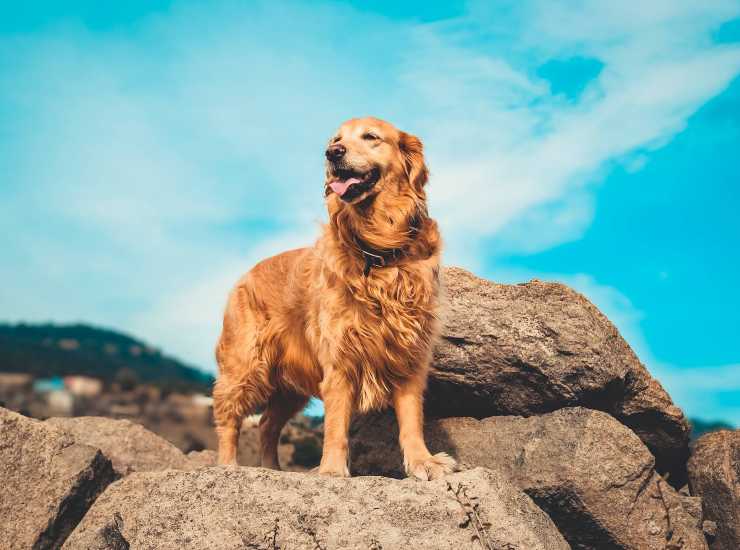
(335, 139)
(370, 136)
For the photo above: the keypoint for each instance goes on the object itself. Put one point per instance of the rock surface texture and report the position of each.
(222, 508)
(561, 434)
(537, 347)
(130, 446)
(47, 480)
(714, 474)
(592, 475)
(199, 459)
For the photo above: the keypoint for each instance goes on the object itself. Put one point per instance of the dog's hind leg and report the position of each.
(280, 408)
(242, 387)
(228, 415)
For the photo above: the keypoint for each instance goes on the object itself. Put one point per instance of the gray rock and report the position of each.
(591, 474)
(537, 347)
(693, 507)
(710, 529)
(48, 482)
(714, 474)
(202, 459)
(130, 446)
(238, 508)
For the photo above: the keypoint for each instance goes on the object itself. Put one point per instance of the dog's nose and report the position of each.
(335, 151)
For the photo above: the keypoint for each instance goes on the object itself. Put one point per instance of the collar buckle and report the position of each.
(372, 260)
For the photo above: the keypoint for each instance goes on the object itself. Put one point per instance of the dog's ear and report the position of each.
(413, 156)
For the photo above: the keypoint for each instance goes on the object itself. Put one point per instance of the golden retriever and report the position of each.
(351, 320)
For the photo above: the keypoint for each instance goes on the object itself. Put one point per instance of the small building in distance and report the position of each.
(83, 386)
(44, 385)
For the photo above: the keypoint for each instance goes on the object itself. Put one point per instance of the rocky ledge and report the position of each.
(564, 439)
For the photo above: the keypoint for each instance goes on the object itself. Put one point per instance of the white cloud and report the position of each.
(520, 148)
(188, 318)
(709, 392)
(152, 164)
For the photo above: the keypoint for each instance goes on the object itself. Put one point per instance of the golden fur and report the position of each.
(315, 322)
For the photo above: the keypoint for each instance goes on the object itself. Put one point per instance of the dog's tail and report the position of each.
(235, 397)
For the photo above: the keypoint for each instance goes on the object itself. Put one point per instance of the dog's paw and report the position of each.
(434, 467)
(334, 470)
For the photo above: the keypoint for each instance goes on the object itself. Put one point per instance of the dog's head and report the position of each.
(368, 156)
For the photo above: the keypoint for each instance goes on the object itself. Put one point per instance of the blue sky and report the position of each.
(151, 151)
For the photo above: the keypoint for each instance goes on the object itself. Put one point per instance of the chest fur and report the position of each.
(380, 330)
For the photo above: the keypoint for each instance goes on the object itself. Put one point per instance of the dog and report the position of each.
(351, 320)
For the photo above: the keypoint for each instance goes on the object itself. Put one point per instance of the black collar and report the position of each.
(378, 258)
(381, 258)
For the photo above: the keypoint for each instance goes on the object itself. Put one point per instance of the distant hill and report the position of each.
(47, 350)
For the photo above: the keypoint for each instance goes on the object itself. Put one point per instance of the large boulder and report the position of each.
(714, 474)
(235, 508)
(130, 446)
(537, 347)
(591, 474)
(48, 482)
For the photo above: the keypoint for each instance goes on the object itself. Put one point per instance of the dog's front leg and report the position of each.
(337, 395)
(417, 460)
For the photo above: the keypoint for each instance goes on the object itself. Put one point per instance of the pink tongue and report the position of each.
(340, 187)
